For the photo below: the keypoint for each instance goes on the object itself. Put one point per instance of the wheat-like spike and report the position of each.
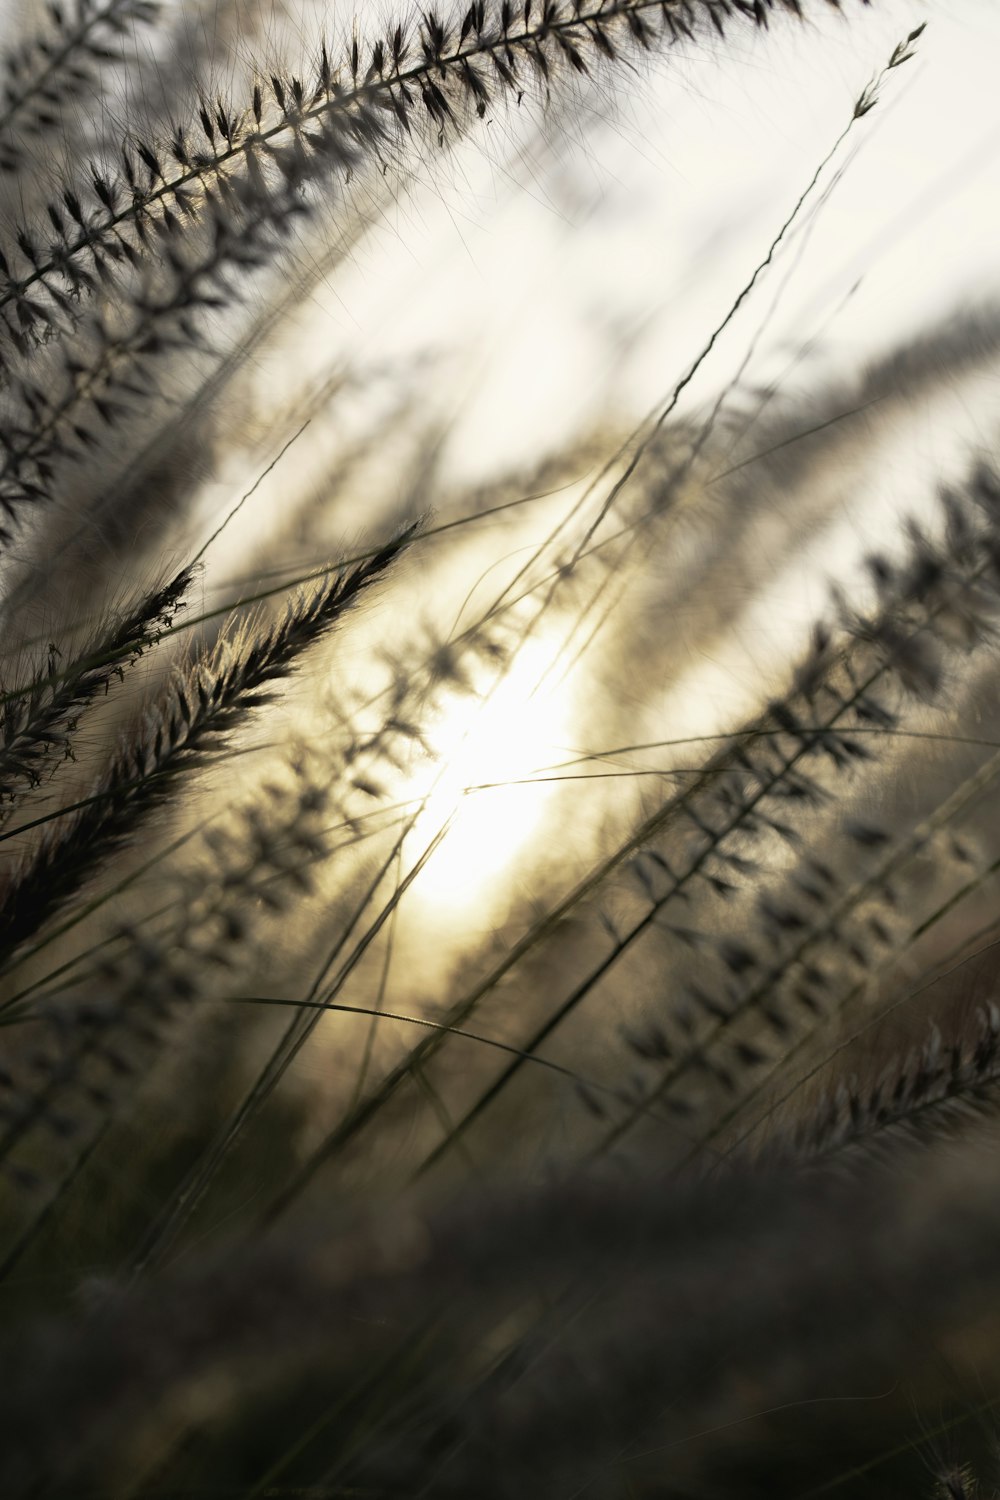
(90, 1050)
(203, 707)
(438, 75)
(59, 65)
(932, 1091)
(87, 1049)
(788, 1018)
(106, 375)
(813, 994)
(366, 754)
(958, 1482)
(790, 995)
(968, 792)
(37, 724)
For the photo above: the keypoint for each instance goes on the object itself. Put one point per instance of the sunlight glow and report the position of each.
(481, 745)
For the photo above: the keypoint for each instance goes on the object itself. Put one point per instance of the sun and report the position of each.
(483, 806)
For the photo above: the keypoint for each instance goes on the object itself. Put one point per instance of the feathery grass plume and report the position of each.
(802, 1289)
(108, 374)
(290, 131)
(978, 876)
(179, 736)
(131, 376)
(958, 1483)
(38, 721)
(938, 1089)
(762, 1005)
(85, 1052)
(59, 65)
(821, 942)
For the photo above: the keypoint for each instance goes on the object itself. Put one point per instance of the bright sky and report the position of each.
(642, 220)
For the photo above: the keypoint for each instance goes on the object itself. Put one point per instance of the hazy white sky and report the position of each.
(614, 245)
